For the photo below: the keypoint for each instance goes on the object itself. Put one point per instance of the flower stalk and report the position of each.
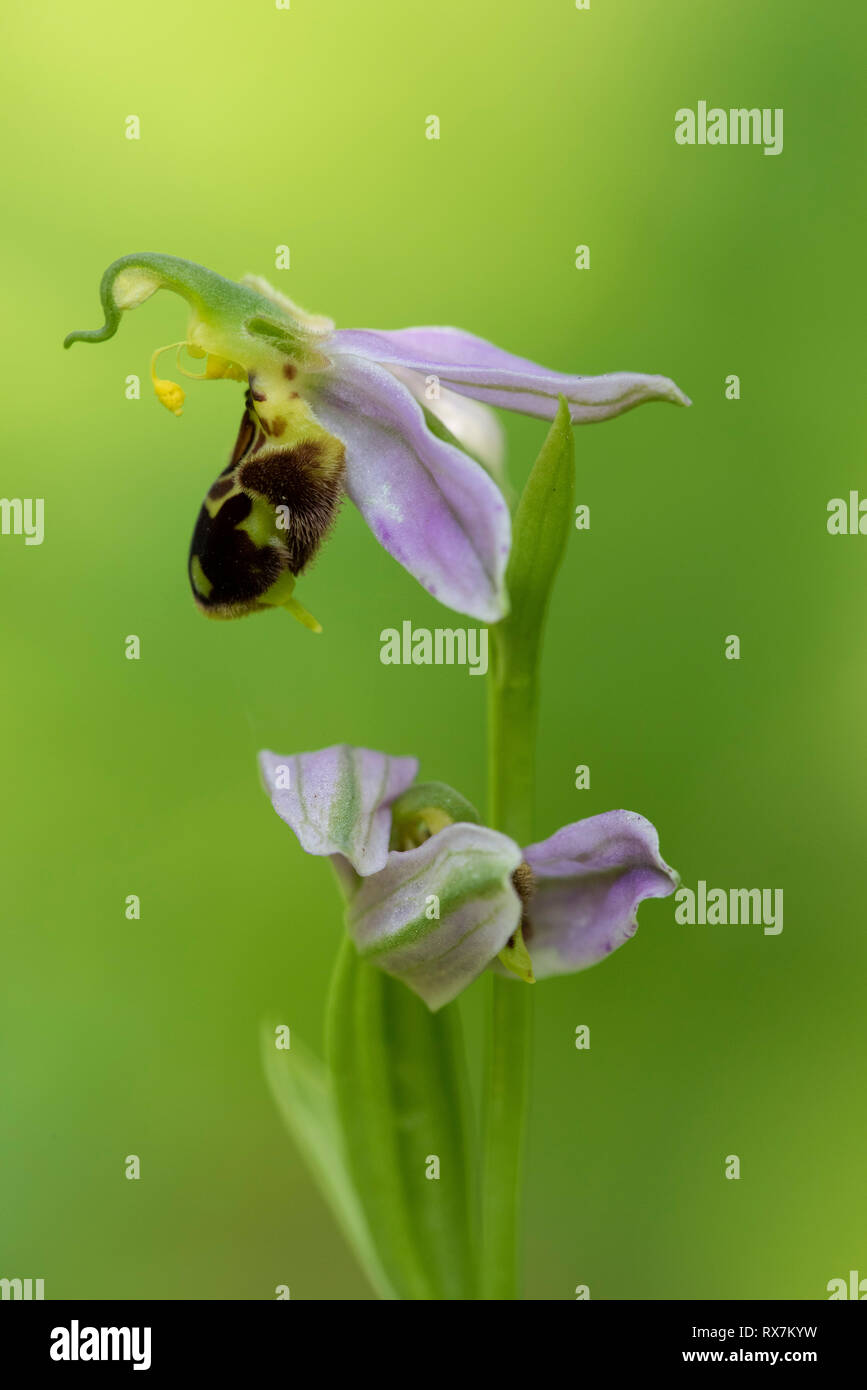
(541, 528)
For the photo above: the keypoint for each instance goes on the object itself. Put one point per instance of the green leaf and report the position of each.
(402, 1097)
(541, 528)
(299, 1084)
(540, 531)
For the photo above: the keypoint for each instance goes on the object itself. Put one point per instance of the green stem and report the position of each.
(541, 529)
(513, 697)
(512, 728)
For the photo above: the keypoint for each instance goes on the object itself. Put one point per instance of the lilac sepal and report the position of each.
(473, 367)
(590, 879)
(338, 801)
(431, 506)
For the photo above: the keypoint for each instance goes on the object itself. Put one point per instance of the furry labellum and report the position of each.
(266, 515)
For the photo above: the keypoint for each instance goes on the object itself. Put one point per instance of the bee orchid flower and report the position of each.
(397, 421)
(434, 897)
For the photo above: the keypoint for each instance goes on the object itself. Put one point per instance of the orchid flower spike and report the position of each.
(399, 421)
(434, 897)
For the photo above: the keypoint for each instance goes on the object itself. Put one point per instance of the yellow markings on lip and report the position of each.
(212, 505)
(259, 524)
(201, 582)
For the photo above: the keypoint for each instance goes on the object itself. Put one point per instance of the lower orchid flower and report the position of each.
(391, 419)
(434, 897)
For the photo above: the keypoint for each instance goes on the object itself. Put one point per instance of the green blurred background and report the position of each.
(306, 127)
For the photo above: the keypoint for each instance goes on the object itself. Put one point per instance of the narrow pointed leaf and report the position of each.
(540, 530)
(299, 1083)
(542, 526)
